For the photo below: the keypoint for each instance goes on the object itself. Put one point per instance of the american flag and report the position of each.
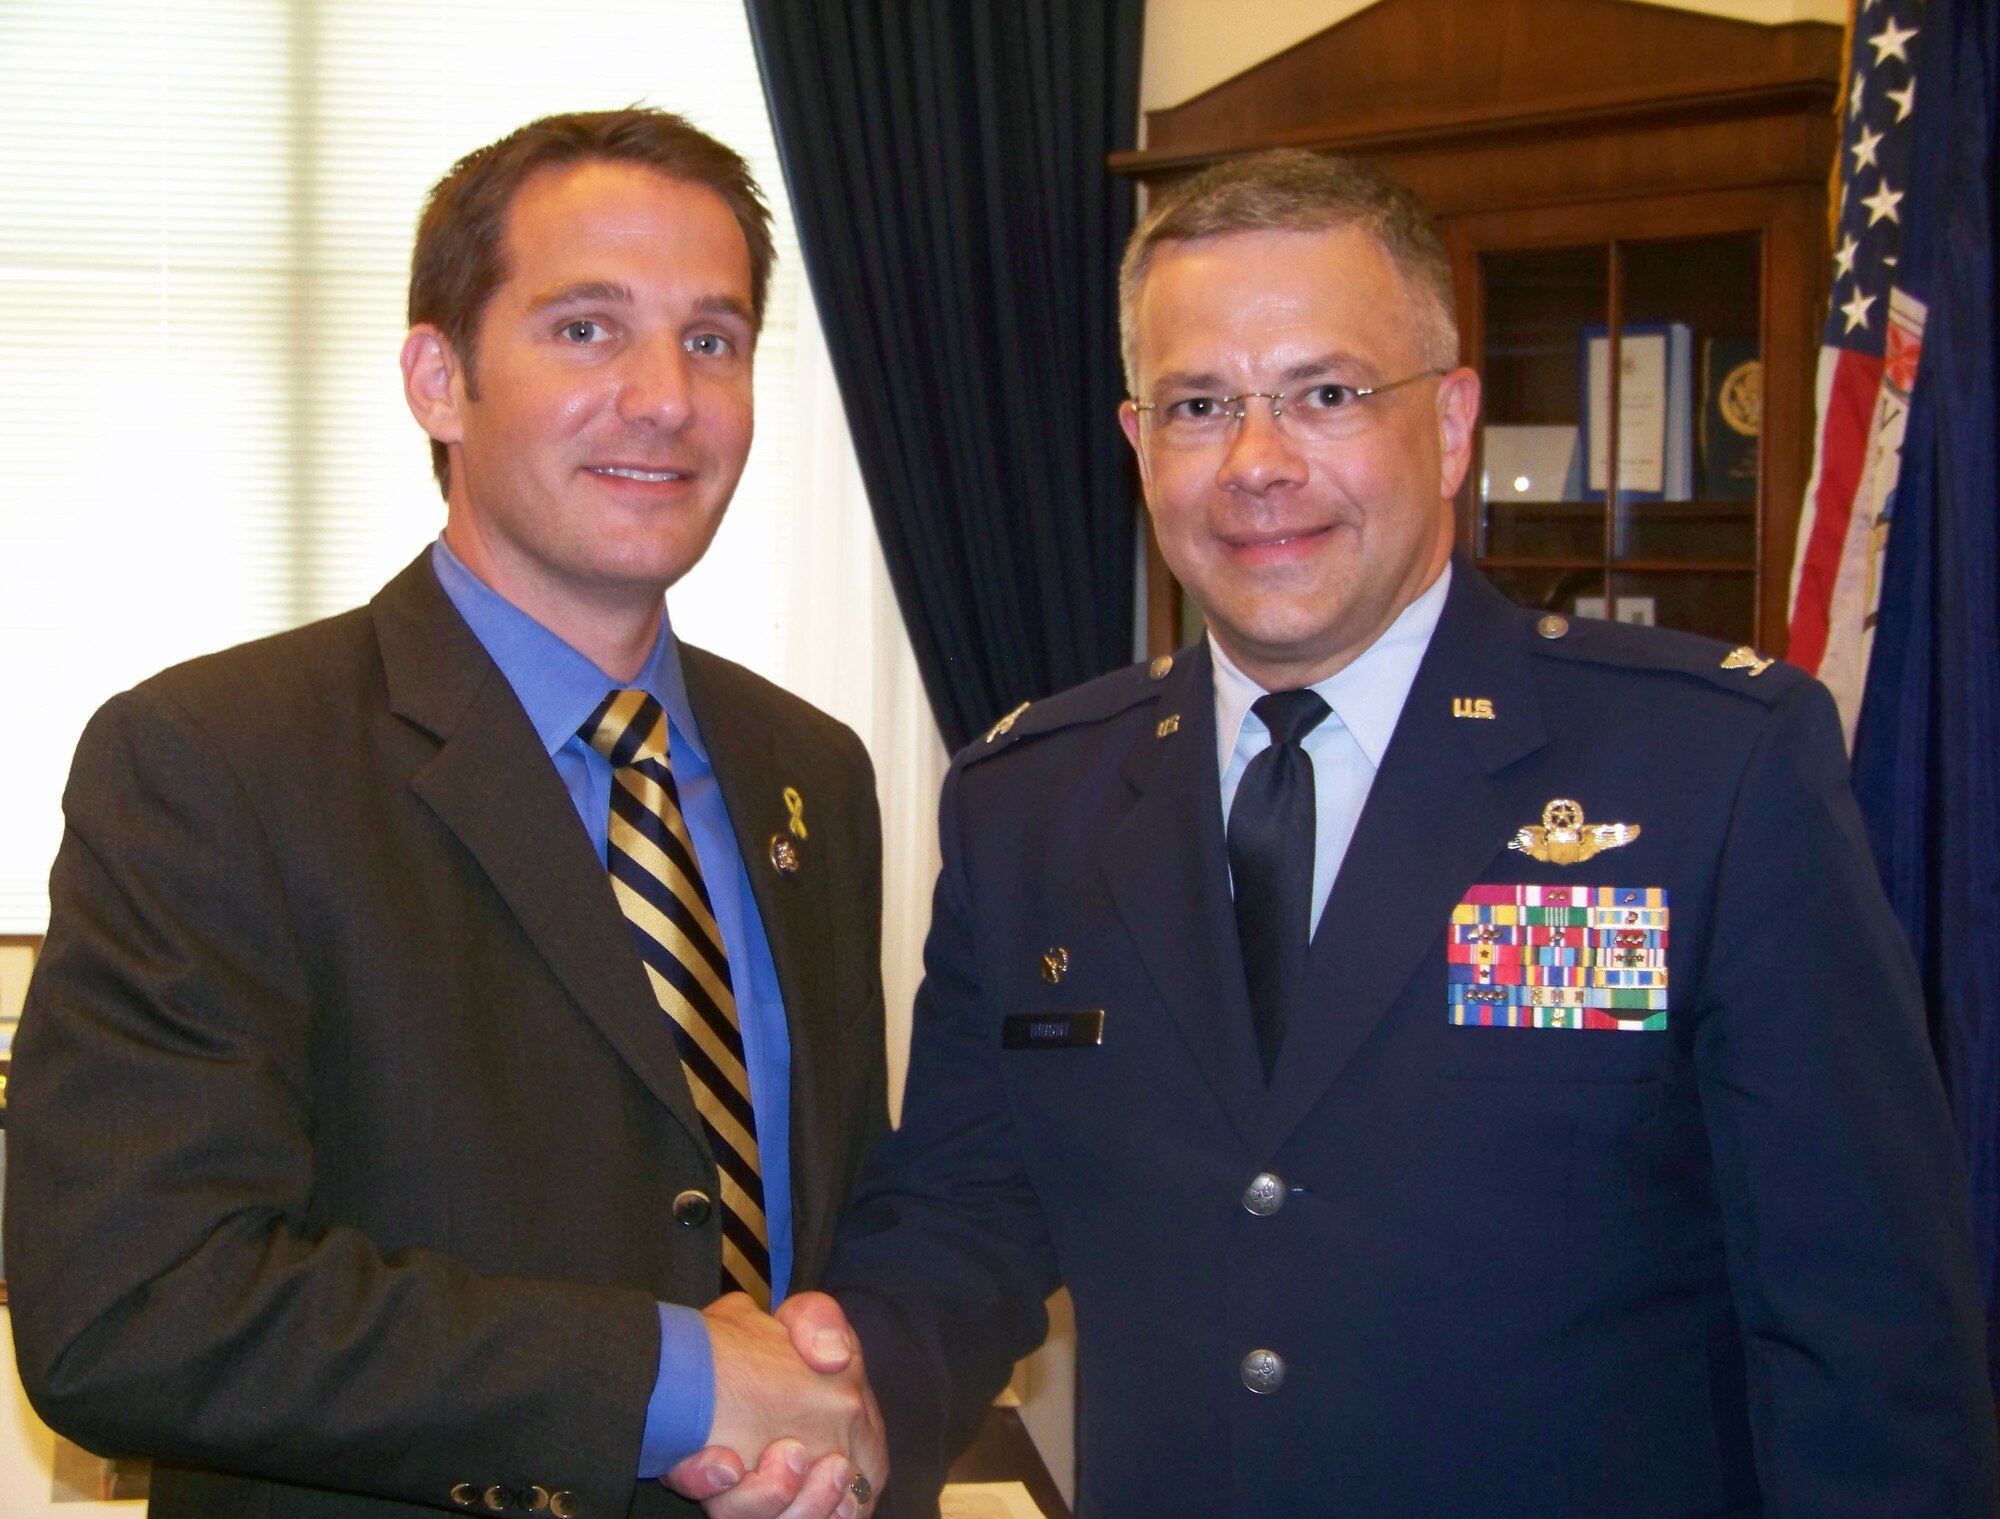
(1868, 357)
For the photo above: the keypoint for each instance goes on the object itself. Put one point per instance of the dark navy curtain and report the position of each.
(945, 160)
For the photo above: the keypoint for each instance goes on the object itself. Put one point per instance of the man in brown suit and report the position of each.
(367, 1157)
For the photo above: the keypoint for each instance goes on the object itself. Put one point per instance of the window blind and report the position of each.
(205, 219)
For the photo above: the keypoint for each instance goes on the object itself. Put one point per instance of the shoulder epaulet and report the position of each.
(1093, 701)
(1739, 670)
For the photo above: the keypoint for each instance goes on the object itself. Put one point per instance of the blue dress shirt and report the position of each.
(560, 688)
(1346, 747)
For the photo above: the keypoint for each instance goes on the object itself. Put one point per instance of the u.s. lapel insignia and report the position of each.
(1471, 706)
(1006, 722)
(784, 854)
(1168, 726)
(1055, 964)
(1744, 657)
(1565, 839)
(796, 806)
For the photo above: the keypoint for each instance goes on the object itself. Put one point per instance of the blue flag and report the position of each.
(1927, 748)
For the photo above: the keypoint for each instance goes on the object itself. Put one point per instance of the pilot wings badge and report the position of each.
(1565, 839)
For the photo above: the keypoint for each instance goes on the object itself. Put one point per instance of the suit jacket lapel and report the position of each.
(754, 760)
(492, 785)
(1167, 869)
(1433, 820)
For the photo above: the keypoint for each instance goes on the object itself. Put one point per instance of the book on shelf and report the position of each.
(1732, 416)
(1655, 411)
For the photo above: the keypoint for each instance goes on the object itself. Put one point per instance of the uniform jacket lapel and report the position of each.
(492, 785)
(1167, 869)
(755, 760)
(1434, 818)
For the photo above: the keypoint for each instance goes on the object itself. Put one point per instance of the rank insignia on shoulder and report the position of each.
(1743, 657)
(1006, 722)
(1565, 839)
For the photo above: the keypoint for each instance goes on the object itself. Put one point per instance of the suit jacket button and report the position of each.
(1266, 1194)
(465, 1495)
(565, 1505)
(1263, 1371)
(497, 1499)
(534, 1498)
(692, 1208)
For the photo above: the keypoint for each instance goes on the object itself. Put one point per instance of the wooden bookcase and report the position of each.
(1652, 178)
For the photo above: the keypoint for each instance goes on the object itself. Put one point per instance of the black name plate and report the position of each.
(1053, 1031)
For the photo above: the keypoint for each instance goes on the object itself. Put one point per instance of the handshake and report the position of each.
(790, 1389)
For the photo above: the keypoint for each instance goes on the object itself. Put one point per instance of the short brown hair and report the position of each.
(1289, 190)
(460, 258)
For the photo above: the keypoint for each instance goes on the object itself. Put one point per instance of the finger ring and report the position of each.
(861, 1488)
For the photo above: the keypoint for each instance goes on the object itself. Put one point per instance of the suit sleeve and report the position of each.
(170, 1293)
(944, 1262)
(1839, 1179)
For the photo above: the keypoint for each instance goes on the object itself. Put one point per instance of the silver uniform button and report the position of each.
(1263, 1371)
(1266, 1194)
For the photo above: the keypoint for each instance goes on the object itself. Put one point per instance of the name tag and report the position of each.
(1053, 1031)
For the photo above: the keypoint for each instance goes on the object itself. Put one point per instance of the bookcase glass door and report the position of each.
(1645, 352)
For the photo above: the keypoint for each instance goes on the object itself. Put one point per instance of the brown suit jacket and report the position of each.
(344, 1127)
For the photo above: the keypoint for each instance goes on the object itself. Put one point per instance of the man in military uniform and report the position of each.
(1458, 1058)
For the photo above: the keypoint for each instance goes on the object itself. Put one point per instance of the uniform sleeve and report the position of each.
(1839, 1180)
(168, 1294)
(944, 1262)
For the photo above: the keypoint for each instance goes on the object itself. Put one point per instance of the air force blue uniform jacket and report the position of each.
(1479, 1255)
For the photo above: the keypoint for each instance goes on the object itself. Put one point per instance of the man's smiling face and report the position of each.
(604, 425)
(1300, 553)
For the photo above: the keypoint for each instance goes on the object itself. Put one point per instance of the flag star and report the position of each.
(1906, 100)
(1890, 43)
(1843, 258)
(1854, 95)
(1882, 204)
(1856, 310)
(1864, 150)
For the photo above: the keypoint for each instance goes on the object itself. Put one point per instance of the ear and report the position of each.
(431, 383)
(1457, 416)
(1128, 423)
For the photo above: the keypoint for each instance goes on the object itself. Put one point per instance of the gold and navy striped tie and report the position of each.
(657, 880)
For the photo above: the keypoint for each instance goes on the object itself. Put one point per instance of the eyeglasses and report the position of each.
(1315, 413)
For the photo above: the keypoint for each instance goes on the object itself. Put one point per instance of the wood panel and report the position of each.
(1476, 67)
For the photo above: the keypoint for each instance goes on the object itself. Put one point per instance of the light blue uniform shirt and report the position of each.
(560, 688)
(1346, 748)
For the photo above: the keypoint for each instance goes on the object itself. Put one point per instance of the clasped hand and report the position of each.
(790, 1387)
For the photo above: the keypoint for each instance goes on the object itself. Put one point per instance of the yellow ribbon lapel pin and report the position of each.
(786, 857)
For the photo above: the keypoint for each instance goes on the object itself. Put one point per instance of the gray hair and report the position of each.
(1289, 190)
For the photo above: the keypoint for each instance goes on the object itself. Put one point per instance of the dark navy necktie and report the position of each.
(1271, 834)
